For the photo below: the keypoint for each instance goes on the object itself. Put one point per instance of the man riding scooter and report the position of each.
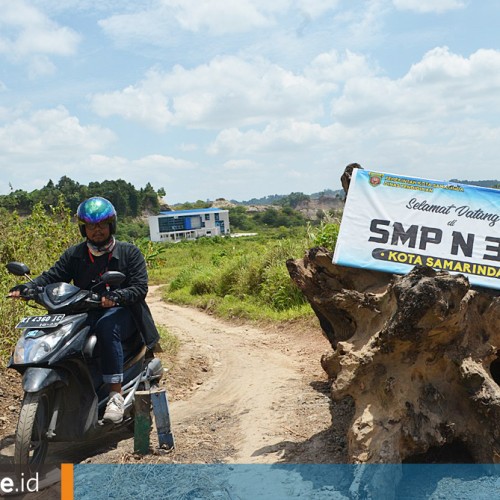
(124, 311)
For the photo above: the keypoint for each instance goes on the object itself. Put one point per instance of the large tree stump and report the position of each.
(418, 354)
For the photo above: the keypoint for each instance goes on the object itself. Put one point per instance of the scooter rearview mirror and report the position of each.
(18, 269)
(113, 278)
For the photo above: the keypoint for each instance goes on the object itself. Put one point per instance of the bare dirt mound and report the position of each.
(237, 393)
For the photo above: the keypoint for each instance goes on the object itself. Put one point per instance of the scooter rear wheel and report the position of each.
(31, 435)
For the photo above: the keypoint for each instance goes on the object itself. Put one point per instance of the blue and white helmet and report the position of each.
(95, 210)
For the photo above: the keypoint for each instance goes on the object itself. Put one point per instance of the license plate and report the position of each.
(47, 321)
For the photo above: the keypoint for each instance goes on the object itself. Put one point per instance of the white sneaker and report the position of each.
(114, 408)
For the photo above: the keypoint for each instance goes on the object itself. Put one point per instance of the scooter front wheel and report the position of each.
(31, 435)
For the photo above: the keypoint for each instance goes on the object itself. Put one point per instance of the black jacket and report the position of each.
(76, 265)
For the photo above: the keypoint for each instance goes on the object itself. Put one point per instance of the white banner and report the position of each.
(392, 223)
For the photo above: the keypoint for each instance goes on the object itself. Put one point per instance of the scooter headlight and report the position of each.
(34, 345)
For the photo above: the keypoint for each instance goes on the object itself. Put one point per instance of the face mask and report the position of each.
(103, 248)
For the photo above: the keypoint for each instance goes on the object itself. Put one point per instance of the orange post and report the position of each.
(67, 492)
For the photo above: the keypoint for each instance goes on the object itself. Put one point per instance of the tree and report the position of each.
(17, 200)
(149, 198)
(72, 191)
(128, 201)
(48, 196)
(239, 219)
(192, 206)
(293, 199)
(122, 194)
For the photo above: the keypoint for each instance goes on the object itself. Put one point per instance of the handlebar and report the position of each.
(27, 294)
(92, 301)
(92, 298)
(95, 299)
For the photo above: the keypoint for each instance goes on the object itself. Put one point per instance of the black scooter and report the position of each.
(56, 354)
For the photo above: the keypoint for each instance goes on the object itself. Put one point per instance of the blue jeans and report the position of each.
(112, 327)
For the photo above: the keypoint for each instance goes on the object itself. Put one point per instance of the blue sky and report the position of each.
(245, 98)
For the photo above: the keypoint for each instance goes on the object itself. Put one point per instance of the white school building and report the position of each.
(179, 225)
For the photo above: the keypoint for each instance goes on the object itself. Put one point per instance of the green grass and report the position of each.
(169, 343)
(243, 278)
(232, 307)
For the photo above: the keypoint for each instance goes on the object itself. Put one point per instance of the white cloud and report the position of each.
(144, 103)
(51, 133)
(83, 5)
(157, 23)
(264, 109)
(144, 165)
(267, 96)
(28, 35)
(465, 150)
(442, 85)
(9, 113)
(243, 164)
(159, 170)
(153, 26)
(224, 92)
(162, 161)
(333, 67)
(439, 65)
(442, 112)
(284, 137)
(48, 143)
(85, 166)
(151, 165)
(425, 6)
(216, 17)
(316, 8)
(219, 16)
(362, 25)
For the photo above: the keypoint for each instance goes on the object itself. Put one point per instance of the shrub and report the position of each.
(325, 235)
(153, 252)
(182, 279)
(37, 240)
(278, 290)
(204, 282)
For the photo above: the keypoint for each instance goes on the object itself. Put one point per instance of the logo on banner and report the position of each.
(375, 179)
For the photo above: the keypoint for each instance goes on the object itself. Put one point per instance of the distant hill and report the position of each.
(275, 198)
(339, 193)
(328, 193)
(266, 200)
(490, 183)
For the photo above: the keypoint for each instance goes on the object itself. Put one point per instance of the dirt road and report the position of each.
(238, 394)
(263, 397)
